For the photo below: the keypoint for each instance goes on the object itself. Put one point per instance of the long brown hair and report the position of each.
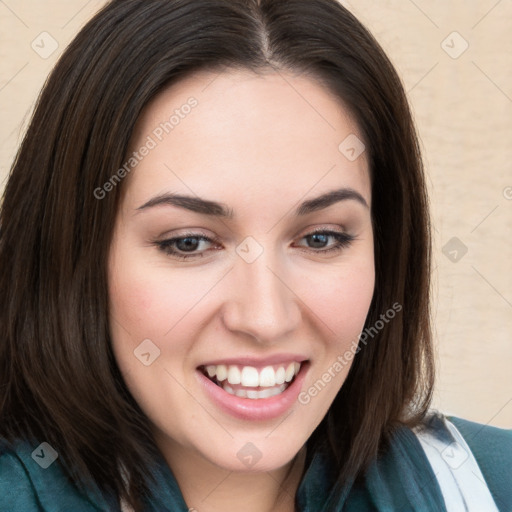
(59, 379)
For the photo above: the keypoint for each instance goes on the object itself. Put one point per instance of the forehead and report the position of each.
(271, 133)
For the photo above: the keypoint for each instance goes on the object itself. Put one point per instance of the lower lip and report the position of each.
(254, 410)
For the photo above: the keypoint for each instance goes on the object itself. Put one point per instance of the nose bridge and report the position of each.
(260, 302)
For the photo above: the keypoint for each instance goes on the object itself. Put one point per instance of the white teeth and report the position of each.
(290, 372)
(234, 375)
(267, 377)
(265, 393)
(222, 372)
(253, 394)
(248, 376)
(280, 375)
(277, 391)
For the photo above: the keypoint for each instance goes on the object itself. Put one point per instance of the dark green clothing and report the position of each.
(400, 480)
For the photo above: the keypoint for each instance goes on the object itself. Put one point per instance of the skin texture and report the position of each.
(260, 145)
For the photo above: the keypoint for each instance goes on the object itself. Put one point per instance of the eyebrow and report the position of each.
(330, 198)
(194, 204)
(215, 209)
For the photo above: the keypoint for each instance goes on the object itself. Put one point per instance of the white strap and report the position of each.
(460, 479)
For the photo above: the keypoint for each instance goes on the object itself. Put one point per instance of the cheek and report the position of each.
(148, 303)
(149, 300)
(342, 300)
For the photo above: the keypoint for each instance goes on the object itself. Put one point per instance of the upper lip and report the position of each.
(257, 361)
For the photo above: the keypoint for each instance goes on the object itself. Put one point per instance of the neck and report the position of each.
(209, 488)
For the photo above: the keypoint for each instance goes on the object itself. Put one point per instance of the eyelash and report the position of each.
(343, 240)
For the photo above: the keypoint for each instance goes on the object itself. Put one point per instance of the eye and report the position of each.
(319, 240)
(195, 245)
(191, 245)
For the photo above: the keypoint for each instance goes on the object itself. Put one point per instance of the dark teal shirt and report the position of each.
(401, 480)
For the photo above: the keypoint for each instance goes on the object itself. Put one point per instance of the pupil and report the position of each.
(318, 240)
(187, 244)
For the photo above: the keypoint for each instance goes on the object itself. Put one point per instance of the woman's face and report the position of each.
(258, 182)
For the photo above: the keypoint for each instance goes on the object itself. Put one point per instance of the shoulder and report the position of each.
(16, 488)
(473, 456)
(492, 449)
(32, 480)
(496, 440)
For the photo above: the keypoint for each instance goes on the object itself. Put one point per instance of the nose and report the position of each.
(261, 301)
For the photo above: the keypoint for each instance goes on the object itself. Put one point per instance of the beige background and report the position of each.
(463, 106)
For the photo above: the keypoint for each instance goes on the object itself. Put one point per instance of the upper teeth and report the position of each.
(268, 376)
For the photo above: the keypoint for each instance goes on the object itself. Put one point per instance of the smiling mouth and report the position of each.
(250, 382)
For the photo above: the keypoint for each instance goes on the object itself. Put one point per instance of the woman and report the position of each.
(217, 237)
